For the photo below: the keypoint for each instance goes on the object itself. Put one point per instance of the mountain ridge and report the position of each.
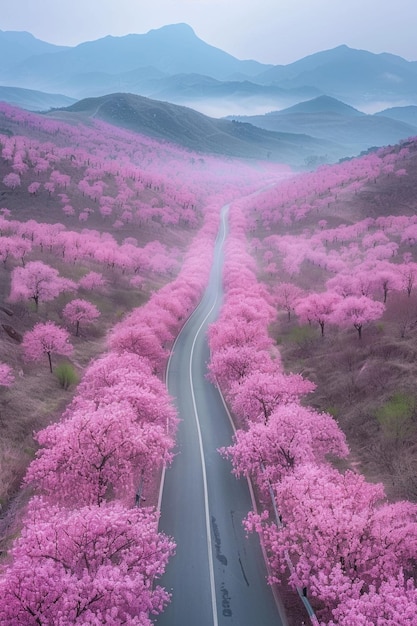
(185, 52)
(407, 114)
(16, 46)
(321, 104)
(357, 77)
(33, 100)
(328, 119)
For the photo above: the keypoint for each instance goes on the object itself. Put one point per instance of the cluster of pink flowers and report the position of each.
(115, 175)
(86, 552)
(351, 549)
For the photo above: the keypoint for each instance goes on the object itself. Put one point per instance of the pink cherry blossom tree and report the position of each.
(231, 364)
(78, 311)
(33, 188)
(139, 340)
(261, 392)
(385, 278)
(128, 378)
(317, 307)
(337, 520)
(112, 368)
(46, 339)
(38, 282)
(9, 248)
(357, 311)
(394, 601)
(408, 275)
(293, 435)
(98, 454)
(12, 180)
(287, 296)
(92, 565)
(93, 281)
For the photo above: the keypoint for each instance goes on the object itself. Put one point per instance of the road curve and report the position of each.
(218, 575)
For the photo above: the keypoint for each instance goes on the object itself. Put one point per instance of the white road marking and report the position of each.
(203, 463)
(200, 439)
(203, 467)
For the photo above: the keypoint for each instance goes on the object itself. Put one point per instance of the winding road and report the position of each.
(218, 575)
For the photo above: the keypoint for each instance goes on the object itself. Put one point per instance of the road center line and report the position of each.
(200, 438)
(203, 467)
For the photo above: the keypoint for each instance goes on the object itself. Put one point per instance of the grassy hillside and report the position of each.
(350, 229)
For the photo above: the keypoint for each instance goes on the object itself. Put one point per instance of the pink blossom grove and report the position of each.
(348, 541)
(86, 565)
(107, 239)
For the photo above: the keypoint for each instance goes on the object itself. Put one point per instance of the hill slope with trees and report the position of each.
(106, 245)
(314, 351)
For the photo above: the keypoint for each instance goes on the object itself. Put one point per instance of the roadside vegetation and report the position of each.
(314, 352)
(106, 244)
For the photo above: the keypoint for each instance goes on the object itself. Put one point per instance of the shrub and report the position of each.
(396, 417)
(67, 375)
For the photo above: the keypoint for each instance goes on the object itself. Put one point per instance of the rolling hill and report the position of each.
(33, 100)
(194, 130)
(329, 119)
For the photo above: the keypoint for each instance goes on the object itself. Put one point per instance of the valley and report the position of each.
(208, 335)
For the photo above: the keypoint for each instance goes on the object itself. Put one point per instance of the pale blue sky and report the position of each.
(271, 31)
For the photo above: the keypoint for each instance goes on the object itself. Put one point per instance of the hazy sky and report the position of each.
(271, 31)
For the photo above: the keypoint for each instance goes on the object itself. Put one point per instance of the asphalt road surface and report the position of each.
(218, 575)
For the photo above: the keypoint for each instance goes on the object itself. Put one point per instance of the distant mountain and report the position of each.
(354, 76)
(178, 88)
(321, 104)
(329, 119)
(187, 86)
(173, 49)
(207, 94)
(33, 100)
(16, 47)
(92, 84)
(172, 63)
(408, 115)
(194, 130)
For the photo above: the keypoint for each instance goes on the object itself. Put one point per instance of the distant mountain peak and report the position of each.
(17, 33)
(17, 46)
(323, 104)
(180, 28)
